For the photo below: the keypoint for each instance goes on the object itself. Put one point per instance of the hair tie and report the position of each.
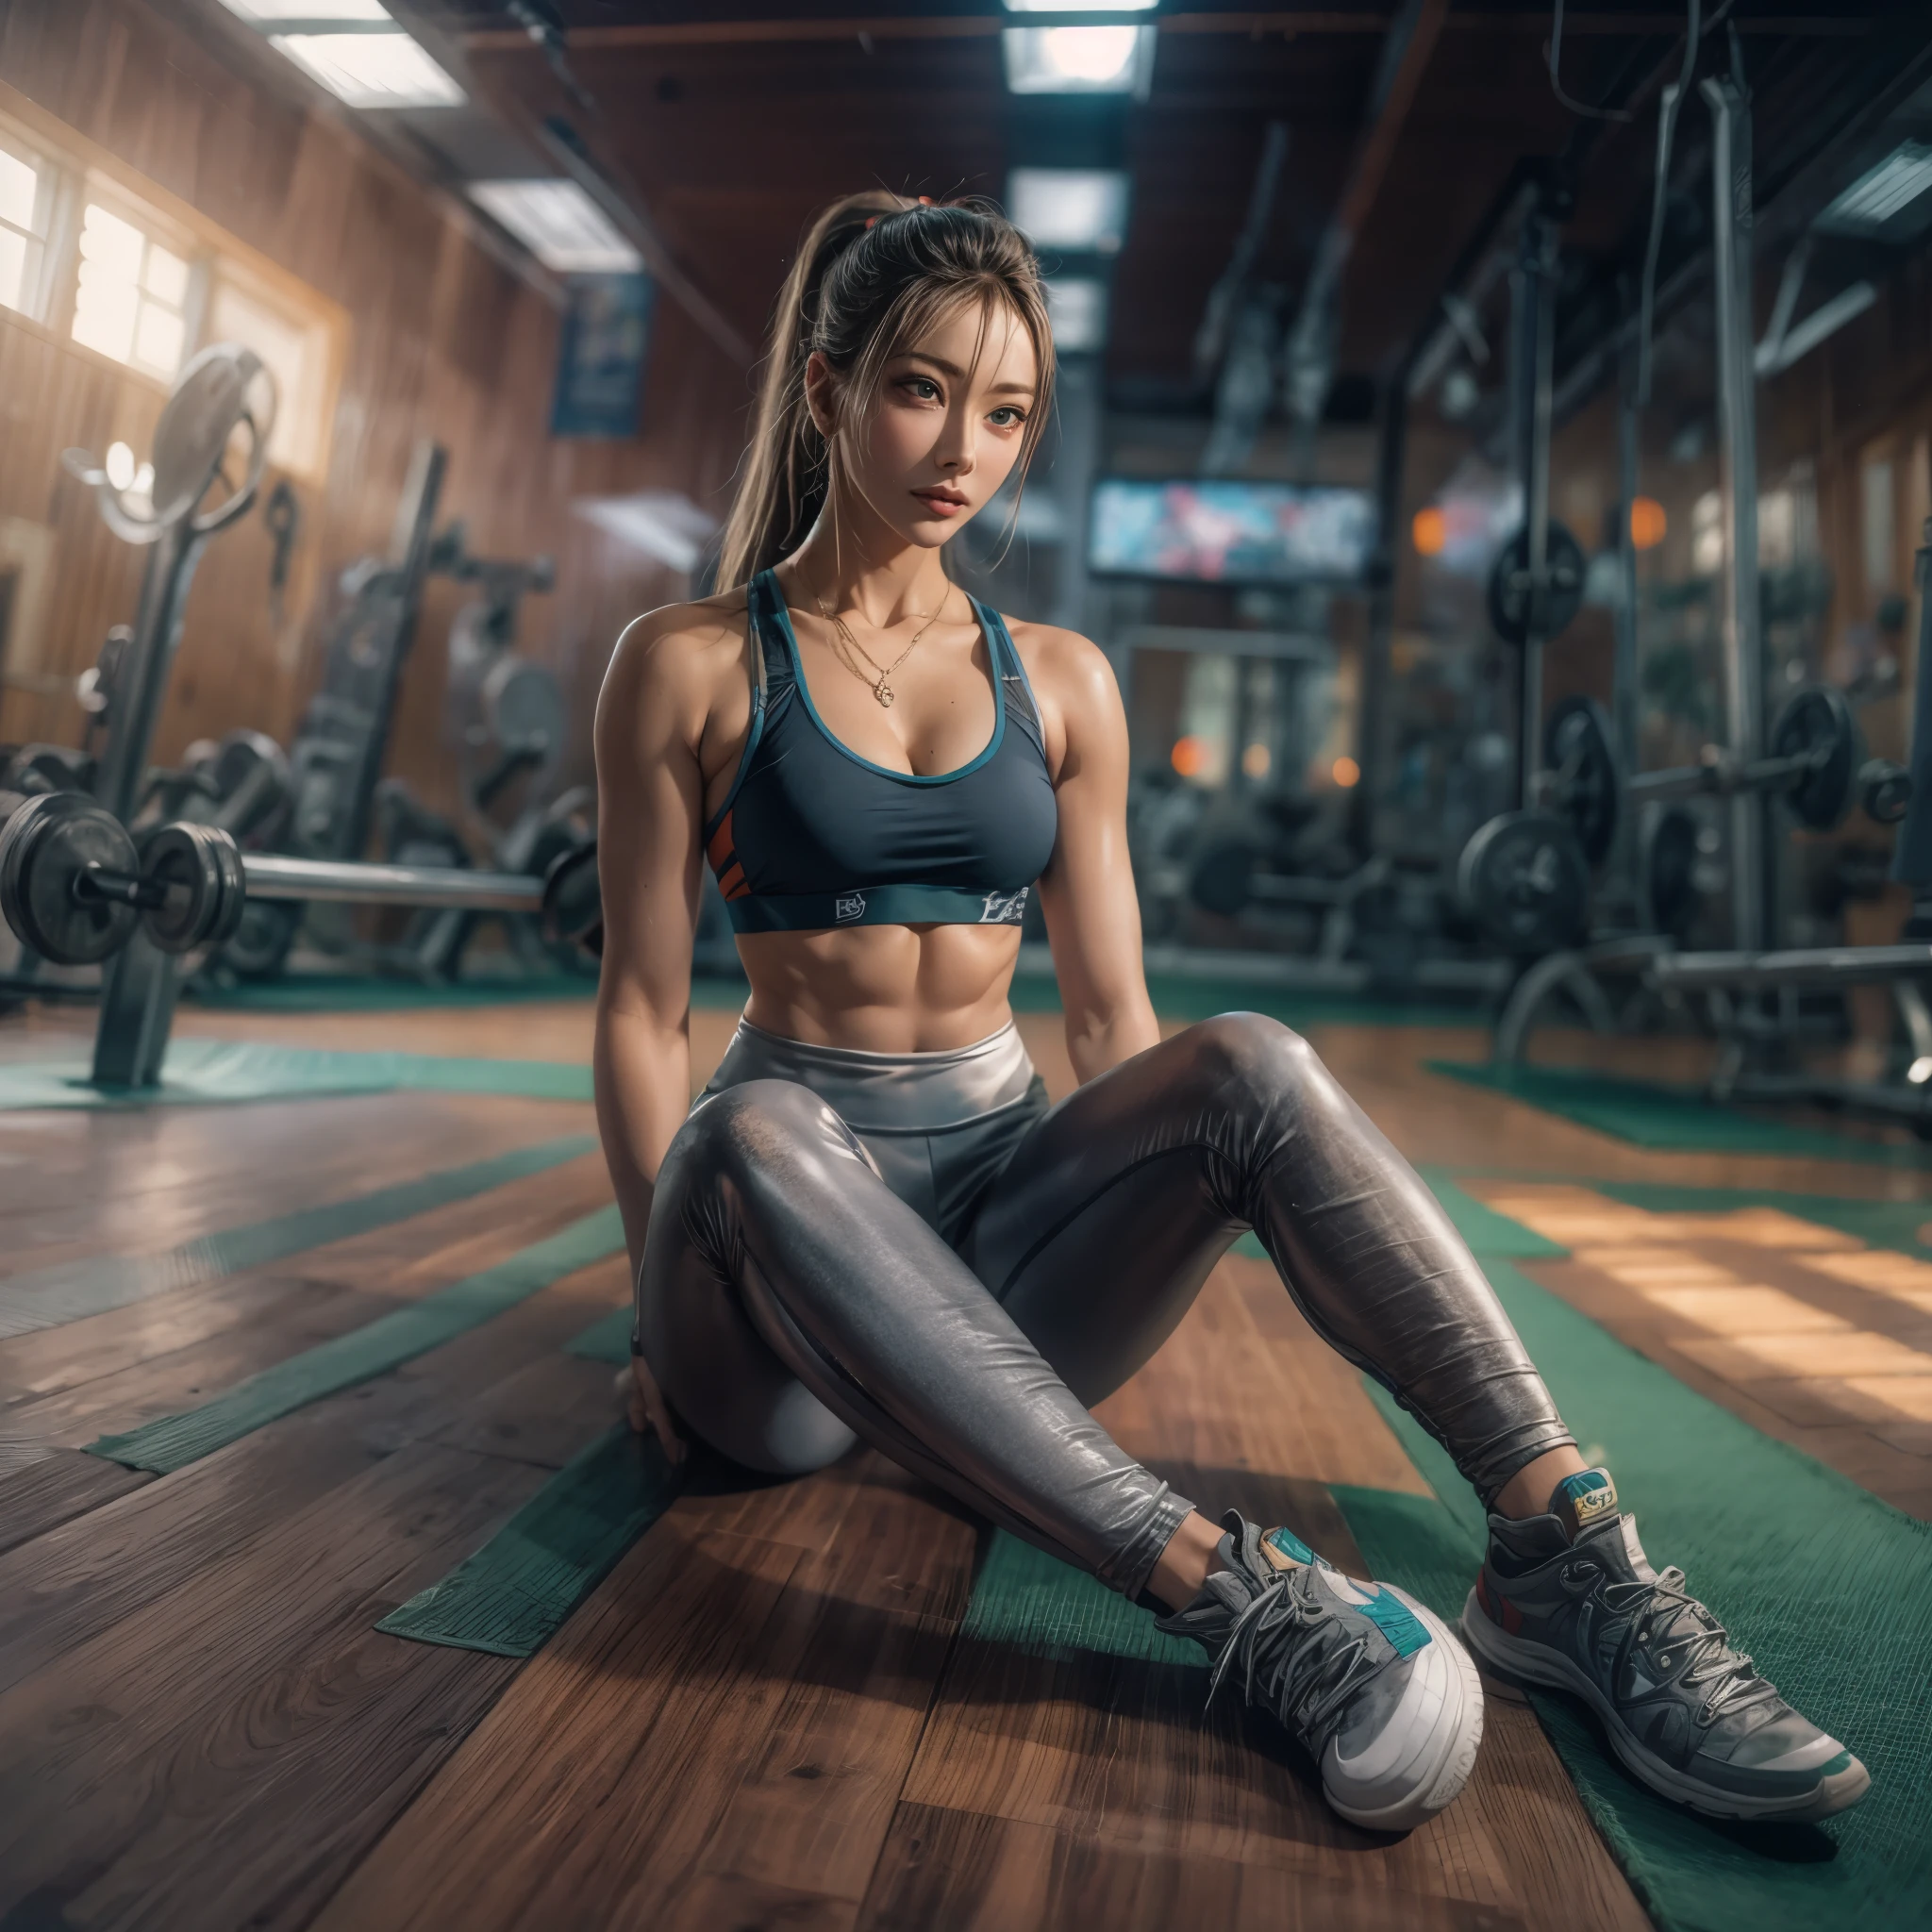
(924, 201)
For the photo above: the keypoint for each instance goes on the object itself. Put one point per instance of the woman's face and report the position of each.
(946, 429)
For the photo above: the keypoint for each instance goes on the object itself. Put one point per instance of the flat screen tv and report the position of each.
(1223, 532)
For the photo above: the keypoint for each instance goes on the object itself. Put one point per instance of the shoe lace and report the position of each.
(1274, 1642)
(1665, 1616)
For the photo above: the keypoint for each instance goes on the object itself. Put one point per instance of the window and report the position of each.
(132, 299)
(122, 270)
(296, 350)
(27, 200)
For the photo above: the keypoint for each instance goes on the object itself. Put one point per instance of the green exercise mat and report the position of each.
(1676, 1120)
(513, 1594)
(1828, 1588)
(369, 993)
(209, 1072)
(173, 1441)
(71, 1291)
(1032, 1602)
(606, 1339)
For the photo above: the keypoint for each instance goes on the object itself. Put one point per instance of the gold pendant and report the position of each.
(883, 691)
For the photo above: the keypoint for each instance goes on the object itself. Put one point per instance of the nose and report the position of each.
(954, 453)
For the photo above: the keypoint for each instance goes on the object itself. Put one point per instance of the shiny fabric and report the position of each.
(960, 1293)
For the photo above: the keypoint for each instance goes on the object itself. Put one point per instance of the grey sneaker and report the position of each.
(1371, 1681)
(1570, 1600)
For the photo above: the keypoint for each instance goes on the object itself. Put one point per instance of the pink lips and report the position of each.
(942, 502)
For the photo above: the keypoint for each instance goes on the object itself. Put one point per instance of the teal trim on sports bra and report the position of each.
(812, 836)
(783, 614)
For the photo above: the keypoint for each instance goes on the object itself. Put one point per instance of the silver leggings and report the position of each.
(916, 1250)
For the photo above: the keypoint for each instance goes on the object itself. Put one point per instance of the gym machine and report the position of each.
(223, 398)
(337, 756)
(1523, 878)
(1813, 765)
(506, 720)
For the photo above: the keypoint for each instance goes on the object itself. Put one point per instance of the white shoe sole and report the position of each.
(1434, 1782)
(1535, 1663)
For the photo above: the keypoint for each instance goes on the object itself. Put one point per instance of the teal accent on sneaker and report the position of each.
(1580, 1500)
(1396, 1622)
(1291, 1546)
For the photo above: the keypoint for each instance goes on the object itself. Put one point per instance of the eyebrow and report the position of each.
(958, 374)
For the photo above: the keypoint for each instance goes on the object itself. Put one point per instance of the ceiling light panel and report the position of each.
(1078, 59)
(1083, 209)
(560, 224)
(1081, 6)
(372, 70)
(266, 10)
(1880, 195)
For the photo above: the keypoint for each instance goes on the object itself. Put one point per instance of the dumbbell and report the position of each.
(1816, 765)
(572, 901)
(74, 882)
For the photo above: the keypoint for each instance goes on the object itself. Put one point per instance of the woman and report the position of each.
(872, 1225)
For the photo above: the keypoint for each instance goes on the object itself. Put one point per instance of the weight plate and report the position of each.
(1565, 567)
(1817, 721)
(201, 870)
(1524, 879)
(573, 902)
(1885, 789)
(211, 398)
(251, 781)
(262, 936)
(1668, 868)
(1587, 788)
(524, 704)
(45, 846)
(1222, 880)
(35, 768)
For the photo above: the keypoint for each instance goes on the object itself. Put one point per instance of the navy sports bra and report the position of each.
(812, 836)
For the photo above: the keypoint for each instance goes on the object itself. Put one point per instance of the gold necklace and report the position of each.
(842, 631)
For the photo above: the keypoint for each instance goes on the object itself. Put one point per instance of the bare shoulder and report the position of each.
(1064, 667)
(680, 647)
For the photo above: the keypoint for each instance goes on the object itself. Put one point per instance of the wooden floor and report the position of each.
(766, 1716)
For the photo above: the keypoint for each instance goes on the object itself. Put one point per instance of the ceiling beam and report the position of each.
(1309, 356)
(645, 37)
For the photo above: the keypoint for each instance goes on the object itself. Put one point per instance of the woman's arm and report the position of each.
(651, 716)
(1086, 891)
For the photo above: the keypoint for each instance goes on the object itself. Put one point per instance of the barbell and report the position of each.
(1524, 876)
(74, 882)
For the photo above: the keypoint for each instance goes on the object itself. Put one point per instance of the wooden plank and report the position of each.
(395, 1264)
(202, 1776)
(542, 1414)
(58, 1591)
(56, 1488)
(774, 1766)
(656, 1686)
(948, 1870)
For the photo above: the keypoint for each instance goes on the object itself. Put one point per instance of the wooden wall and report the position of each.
(443, 342)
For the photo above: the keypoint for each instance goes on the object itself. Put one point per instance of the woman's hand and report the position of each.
(645, 1403)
